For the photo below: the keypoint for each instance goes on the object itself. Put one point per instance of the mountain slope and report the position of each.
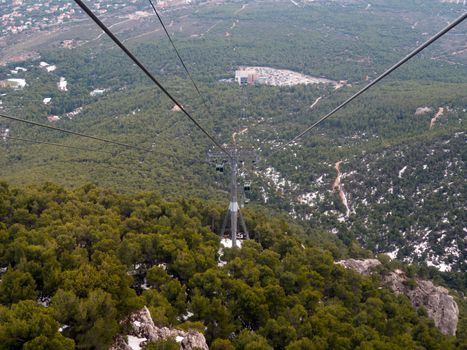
(90, 256)
(404, 200)
(381, 130)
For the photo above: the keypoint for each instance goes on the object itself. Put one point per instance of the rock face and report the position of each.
(363, 267)
(141, 329)
(440, 306)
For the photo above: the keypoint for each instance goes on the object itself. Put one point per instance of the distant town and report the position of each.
(19, 16)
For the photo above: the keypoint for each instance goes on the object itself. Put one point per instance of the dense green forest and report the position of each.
(81, 260)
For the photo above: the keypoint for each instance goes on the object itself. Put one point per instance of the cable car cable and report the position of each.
(98, 150)
(386, 73)
(30, 122)
(91, 14)
(179, 56)
(55, 144)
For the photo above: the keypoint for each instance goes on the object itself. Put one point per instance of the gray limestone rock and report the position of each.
(142, 330)
(363, 267)
(441, 307)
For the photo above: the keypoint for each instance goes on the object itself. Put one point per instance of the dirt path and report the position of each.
(140, 35)
(295, 3)
(338, 186)
(316, 102)
(240, 10)
(235, 134)
(211, 28)
(436, 117)
(110, 27)
(460, 52)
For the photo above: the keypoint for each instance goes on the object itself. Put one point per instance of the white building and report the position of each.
(17, 83)
(62, 84)
(97, 92)
(245, 76)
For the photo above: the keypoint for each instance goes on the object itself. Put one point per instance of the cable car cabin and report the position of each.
(220, 168)
(247, 186)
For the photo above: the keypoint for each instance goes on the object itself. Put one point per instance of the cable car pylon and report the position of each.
(237, 154)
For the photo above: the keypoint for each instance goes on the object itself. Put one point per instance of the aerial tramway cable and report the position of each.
(87, 149)
(30, 122)
(386, 73)
(91, 14)
(180, 57)
(54, 144)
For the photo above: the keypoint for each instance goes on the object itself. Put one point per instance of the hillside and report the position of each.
(414, 189)
(75, 262)
(402, 180)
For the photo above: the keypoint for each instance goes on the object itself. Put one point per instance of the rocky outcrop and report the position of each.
(141, 329)
(363, 267)
(440, 306)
